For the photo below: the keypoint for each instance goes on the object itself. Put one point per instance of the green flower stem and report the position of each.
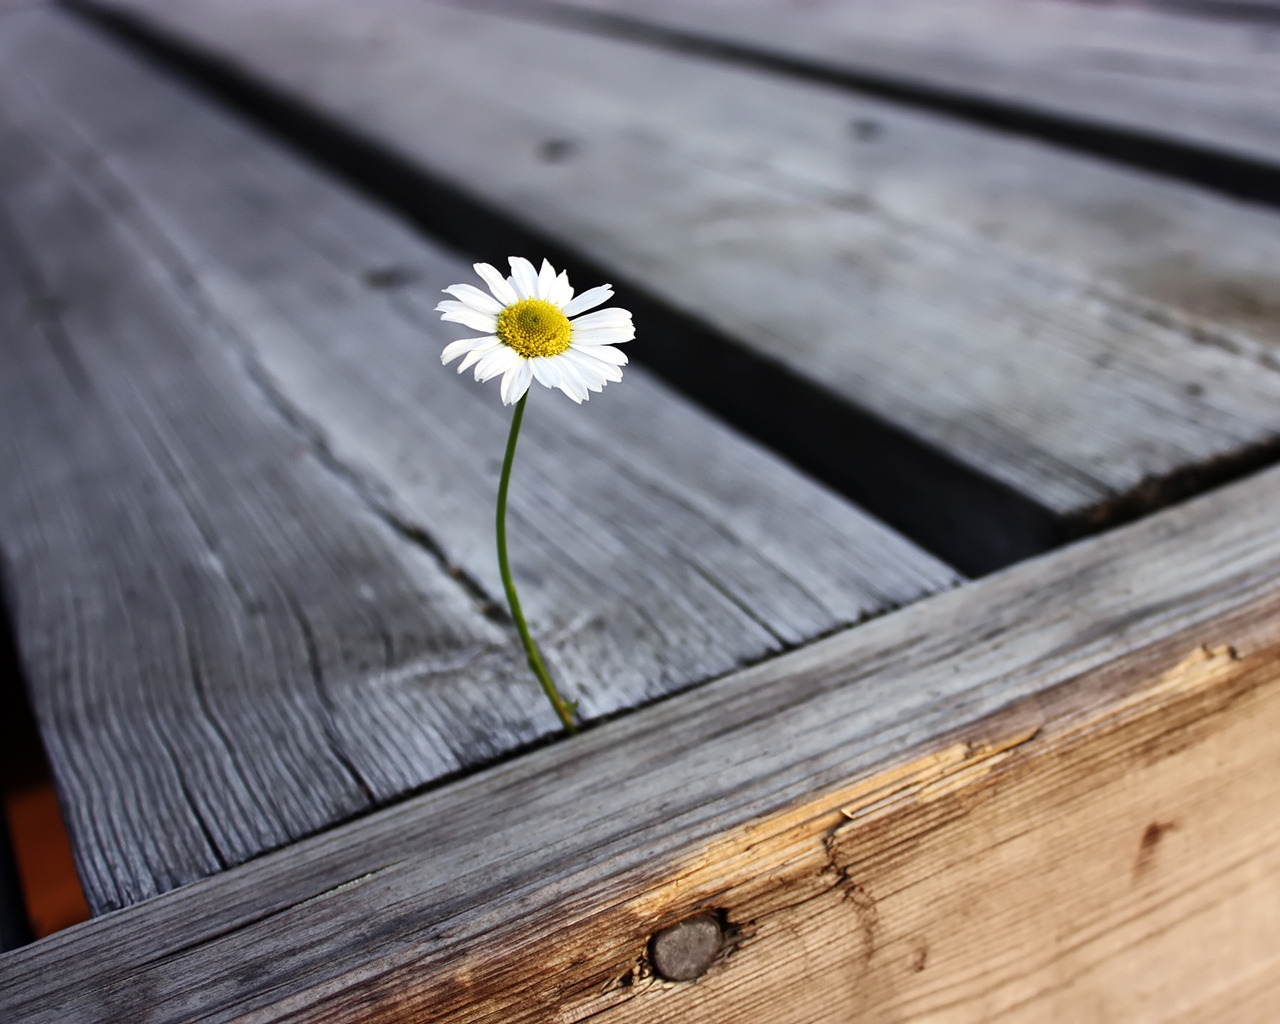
(565, 709)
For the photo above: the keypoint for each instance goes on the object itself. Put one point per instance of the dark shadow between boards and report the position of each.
(22, 765)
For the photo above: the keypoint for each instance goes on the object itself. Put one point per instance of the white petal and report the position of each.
(589, 299)
(453, 306)
(477, 353)
(516, 382)
(603, 335)
(594, 368)
(475, 298)
(523, 382)
(498, 284)
(571, 382)
(561, 292)
(457, 348)
(500, 360)
(588, 382)
(546, 280)
(612, 317)
(605, 353)
(545, 371)
(523, 277)
(601, 340)
(594, 374)
(472, 318)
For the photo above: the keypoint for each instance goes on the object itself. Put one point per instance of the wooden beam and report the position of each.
(1084, 339)
(1046, 795)
(247, 517)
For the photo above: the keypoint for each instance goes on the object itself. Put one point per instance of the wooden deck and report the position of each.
(235, 441)
(751, 205)
(887, 343)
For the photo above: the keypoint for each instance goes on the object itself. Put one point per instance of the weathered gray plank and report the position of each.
(1171, 248)
(249, 521)
(196, 597)
(632, 825)
(1161, 74)
(1086, 336)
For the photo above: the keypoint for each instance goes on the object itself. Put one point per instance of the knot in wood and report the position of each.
(685, 950)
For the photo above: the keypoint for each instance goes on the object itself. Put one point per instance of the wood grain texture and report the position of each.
(1017, 308)
(1161, 74)
(248, 518)
(952, 769)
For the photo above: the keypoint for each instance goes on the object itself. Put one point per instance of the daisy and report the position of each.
(534, 331)
(529, 336)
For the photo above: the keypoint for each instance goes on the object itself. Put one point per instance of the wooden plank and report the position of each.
(1046, 795)
(1087, 337)
(1165, 75)
(177, 563)
(248, 520)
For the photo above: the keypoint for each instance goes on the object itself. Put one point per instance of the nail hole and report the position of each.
(865, 129)
(44, 307)
(554, 151)
(389, 277)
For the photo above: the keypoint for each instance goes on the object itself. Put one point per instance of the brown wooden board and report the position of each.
(247, 516)
(1092, 340)
(1047, 795)
(1166, 76)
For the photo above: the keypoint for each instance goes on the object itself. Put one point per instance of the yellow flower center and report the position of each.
(534, 327)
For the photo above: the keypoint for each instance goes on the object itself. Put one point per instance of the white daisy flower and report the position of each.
(533, 331)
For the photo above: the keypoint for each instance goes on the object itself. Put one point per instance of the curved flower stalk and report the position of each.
(535, 328)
